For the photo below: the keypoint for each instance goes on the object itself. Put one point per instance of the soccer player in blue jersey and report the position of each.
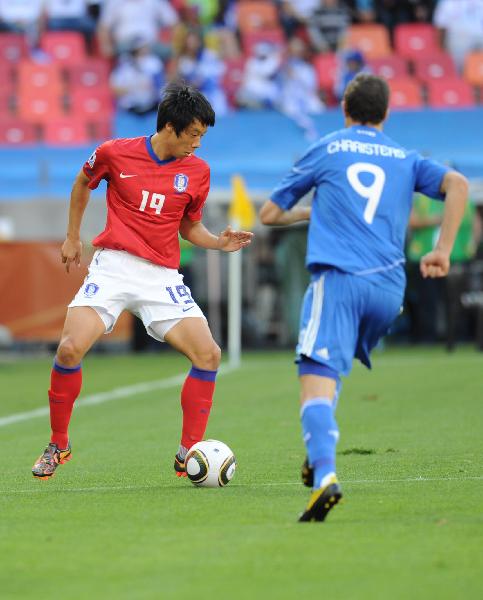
(364, 183)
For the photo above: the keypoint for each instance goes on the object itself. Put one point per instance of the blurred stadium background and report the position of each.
(75, 73)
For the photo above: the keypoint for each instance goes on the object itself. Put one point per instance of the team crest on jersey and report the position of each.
(90, 290)
(180, 182)
(92, 159)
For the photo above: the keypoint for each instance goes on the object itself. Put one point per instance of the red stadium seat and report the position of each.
(450, 93)
(64, 46)
(94, 104)
(473, 71)
(428, 68)
(416, 39)
(326, 68)
(253, 15)
(90, 74)
(13, 47)
(66, 132)
(40, 107)
(36, 78)
(371, 39)
(389, 67)
(232, 78)
(14, 132)
(405, 93)
(251, 38)
(101, 130)
(6, 77)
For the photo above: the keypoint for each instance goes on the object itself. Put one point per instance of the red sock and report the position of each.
(196, 401)
(65, 386)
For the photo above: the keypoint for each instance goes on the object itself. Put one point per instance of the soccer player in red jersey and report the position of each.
(156, 190)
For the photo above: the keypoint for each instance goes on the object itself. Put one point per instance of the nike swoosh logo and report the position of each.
(122, 176)
(189, 308)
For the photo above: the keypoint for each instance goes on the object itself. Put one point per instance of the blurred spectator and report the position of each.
(294, 14)
(71, 15)
(430, 300)
(328, 24)
(137, 79)
(260, 87)
(22, 16)
(351, 62)
(201, 67)
(423, 296)
(121, 21)
(299, 97)
(393, 12)
(461, 24)
(363, 11)
(207, 9)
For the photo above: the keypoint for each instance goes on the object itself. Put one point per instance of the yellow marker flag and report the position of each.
(241, 208)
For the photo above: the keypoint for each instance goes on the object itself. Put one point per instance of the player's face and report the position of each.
(188, 140)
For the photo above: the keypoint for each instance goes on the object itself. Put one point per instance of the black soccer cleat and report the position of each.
(307, 474)
(321, 501)
(180, 466)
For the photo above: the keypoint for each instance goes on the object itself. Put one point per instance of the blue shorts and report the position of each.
(343, 317)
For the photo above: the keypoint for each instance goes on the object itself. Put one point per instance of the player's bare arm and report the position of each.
(272, 214)
(229, 240)
(71, 250)
(437, 263)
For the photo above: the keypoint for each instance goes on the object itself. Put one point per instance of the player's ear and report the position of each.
(169, 127)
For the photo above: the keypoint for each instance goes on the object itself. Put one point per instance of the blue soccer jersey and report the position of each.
(364, 184)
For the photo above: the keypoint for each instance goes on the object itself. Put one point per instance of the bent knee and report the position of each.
(208, 358)
(69, 354)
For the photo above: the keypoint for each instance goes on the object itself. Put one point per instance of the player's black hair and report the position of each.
(366, 99)
(181, 105)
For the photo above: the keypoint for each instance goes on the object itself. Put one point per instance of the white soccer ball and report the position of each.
(210, 463)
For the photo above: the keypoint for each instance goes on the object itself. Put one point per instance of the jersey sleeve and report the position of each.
(96, 166)
(298, 181)
(429, 176)
(194, 209)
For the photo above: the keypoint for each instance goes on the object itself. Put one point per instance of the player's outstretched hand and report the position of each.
(230, 241)
(71, 252)
(435, 264)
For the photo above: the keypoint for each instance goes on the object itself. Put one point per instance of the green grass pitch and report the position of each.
(115, 523)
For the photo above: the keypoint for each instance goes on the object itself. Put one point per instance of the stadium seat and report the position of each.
(6, 97)
(15, 132)
(450, 93)
(428, 68)
(90, 74)
(40, 107)
(13, 47)
(64, 46)
(253, 15)
(100, 130)
(416, 39)
(36, 78)
(326, 68)
(473, 70)
(87, 103)
(232, 78)
(68, 132)
(251, 38)
(6, 77)
(389, 67)
(371, 39)
(405, 93)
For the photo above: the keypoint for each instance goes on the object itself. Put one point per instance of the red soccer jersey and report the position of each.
(147, 197)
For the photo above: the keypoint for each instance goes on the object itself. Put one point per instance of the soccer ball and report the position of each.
(210, 463)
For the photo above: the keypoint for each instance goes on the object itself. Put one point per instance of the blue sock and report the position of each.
(320, 436)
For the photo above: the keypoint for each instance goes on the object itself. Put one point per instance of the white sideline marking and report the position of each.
(117, 488)
(100, 398)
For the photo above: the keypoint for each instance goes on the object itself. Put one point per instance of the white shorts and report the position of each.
(120, 281)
